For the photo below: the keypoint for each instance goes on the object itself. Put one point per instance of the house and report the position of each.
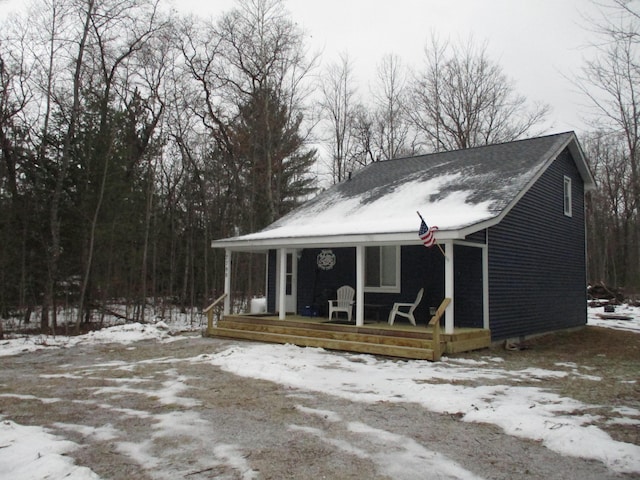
(510, 250)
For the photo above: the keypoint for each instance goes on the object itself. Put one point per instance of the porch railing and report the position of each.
(435, 324)
(209, 310)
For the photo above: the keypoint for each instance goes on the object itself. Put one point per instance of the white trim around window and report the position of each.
(567, 198)
(387, 261)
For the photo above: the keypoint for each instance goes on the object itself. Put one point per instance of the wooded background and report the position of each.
(131, 136)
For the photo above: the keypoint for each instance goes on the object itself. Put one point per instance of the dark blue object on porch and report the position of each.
(309, 311)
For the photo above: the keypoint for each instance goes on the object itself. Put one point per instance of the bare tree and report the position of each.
(15, 97)
(65, 156)
(266, 63)
(610, 81)
(363, 139)
(248, 72)
(610, 228)
(339, 109)
(52, 36)
(390, 105)
(134, 166)
(462, 99)
(119, 30)
(265, 53)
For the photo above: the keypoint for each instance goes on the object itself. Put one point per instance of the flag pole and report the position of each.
(434, 239)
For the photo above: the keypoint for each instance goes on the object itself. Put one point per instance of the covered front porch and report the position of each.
(303, 276)
(424, 341)
(307, 276)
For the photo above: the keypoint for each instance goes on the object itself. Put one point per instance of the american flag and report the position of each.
(427, 234)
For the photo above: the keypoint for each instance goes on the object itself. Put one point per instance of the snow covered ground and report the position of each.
(632, 325)
(124, 334)
(28, 452)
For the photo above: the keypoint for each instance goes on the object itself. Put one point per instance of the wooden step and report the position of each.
(467, 342)
(352, 334)
(375, 338)
(373, 329)
(374, 348)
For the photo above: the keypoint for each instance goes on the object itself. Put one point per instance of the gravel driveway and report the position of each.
(152, 411)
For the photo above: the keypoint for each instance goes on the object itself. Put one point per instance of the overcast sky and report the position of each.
(536, 42)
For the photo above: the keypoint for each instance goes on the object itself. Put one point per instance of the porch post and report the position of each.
(266, 275)
(282, 290)
(227, 281)
(485, 287)
(359, 285)
(448, 287)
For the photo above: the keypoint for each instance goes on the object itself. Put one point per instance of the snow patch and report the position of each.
(522, 411)
(32, 453)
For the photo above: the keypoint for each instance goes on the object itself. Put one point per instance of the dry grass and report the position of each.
(613, 356)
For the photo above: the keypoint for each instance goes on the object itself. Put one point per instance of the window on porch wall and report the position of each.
(289, 275)
(382, 268)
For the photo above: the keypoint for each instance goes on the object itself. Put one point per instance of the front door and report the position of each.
(291, 282)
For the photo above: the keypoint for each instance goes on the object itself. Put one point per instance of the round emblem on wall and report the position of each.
(326, 260)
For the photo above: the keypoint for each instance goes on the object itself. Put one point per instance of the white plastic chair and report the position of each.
(408, 314)
(344, 302)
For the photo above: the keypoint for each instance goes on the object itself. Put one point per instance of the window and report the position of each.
(567, 196)
(289, 275)
(382, 269)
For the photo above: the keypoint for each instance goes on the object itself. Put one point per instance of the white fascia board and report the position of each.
(464, 232)
(329, 241)
(581, 163)
(498, 218)
(578, 157)
(583, 168)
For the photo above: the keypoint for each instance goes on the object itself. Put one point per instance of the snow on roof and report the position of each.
(336, 214)
(452, 190)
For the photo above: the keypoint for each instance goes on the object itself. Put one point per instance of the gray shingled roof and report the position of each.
(456, 189)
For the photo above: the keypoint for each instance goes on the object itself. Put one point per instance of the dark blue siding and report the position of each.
(467, 287)
(316, 286)
(271, 281)
(537, 268)
(420, 268)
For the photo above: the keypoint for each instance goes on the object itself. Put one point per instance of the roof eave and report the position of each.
(581, 162)
(330, 241)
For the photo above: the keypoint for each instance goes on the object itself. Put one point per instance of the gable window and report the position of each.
(382, 268)
(567, 196)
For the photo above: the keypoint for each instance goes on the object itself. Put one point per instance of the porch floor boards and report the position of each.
(375, 337)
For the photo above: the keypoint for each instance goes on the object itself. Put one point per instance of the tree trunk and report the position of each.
(92, 237)
(145, 246)
(65, 159)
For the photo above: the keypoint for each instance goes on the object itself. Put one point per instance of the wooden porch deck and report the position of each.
(375, 337)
